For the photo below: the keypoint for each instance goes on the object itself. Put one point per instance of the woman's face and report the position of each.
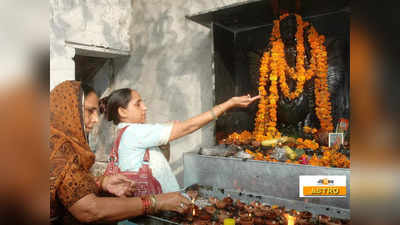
(91, 116)
(135, 111)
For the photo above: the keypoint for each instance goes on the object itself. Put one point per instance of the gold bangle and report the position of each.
(213, 114)
(153, 203)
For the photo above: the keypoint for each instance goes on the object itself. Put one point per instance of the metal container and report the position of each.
(278, 180)
(266, 182)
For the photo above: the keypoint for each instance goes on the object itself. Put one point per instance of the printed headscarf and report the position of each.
(67, 141)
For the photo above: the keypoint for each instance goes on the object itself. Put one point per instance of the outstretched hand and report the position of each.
(243, 101)
(118, 185)
(172, 201)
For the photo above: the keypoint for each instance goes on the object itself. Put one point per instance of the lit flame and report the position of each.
(250, 215)
(290, 219)
(194, 212)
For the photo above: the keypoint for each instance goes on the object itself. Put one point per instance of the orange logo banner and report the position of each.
(324, 191)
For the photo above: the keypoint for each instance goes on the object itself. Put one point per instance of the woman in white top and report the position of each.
(126, 108)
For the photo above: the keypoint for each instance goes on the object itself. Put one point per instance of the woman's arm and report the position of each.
(96, 209)
(116, 184)
(183, 128)
(105, 209)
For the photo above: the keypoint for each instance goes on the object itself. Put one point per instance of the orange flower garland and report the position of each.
(323, 105)
(274, 69)
(302, 144)
(274, 66)
(260, 120)
(330, 158)
(299, 75)
(273, 97)
(244, 137)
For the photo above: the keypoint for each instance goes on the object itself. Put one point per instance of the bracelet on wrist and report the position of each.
(153, 203)
(147, 203)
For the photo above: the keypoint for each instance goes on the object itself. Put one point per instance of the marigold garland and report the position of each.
(307, 143)
(236, 138)
(330, 158)
(274, 69)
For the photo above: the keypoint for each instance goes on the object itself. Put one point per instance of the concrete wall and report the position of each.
(170, 66)
(101, 25)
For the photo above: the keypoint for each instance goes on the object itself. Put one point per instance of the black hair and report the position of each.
(87, 89)
(103, 105)
(118, 98)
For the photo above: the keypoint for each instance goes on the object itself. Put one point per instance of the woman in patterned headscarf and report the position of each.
(74, 192)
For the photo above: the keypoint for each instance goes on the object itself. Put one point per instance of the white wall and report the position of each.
(100, 24)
